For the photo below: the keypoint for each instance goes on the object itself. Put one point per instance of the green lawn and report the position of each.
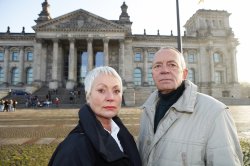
(39, 155)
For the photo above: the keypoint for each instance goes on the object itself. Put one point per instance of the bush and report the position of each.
(245, 145)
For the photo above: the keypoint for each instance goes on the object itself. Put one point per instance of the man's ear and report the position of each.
(185, 73)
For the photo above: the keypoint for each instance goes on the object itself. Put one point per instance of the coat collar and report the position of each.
(184, 104)
(102, 141)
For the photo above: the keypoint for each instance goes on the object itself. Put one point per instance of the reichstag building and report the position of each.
(62, 50)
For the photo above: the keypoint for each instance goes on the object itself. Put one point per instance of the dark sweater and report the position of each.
(165, 102)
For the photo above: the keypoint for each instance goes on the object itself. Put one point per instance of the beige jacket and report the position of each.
(197, 130)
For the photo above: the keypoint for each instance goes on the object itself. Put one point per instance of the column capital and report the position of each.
(121, 40)
(38, 40)
(55, 39)
(105, 40)
(72, 39)
(6, 47)
(89, 39)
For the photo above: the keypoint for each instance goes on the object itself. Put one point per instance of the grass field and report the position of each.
(55, 123)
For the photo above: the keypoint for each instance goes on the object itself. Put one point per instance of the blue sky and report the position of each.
(146, 14)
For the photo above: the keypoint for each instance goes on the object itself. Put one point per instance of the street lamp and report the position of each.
(179, 41)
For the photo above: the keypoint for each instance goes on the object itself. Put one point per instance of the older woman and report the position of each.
(100, 138)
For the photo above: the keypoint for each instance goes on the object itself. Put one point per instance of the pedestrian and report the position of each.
(14, 105)
(182, 127)
(57, 101)
(100, 138)
(6, 105)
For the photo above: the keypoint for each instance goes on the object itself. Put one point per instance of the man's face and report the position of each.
(167, 71)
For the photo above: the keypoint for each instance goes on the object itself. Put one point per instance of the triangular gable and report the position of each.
(79, 20)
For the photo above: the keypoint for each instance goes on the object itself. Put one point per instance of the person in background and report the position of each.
(100, 138)
(182, 127)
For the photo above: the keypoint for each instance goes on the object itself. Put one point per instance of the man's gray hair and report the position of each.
(91, 76)
(183, 63)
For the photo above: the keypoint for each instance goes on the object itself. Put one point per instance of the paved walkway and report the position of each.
(50, 126)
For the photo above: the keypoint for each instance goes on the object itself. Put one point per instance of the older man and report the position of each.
(182, 127)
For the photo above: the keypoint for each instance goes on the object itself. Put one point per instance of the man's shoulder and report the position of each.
(208, 101)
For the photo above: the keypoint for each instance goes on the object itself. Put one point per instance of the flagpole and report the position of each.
(179, 40)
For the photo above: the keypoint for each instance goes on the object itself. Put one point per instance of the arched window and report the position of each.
(99, 59)
(1, 56)
(217, 57)
(29, 75)
(191, 58)
(137, 76)
(1, 75)
(191, 75)
(15, 76)
(218, 77)
(29, 56)
(150, 77)
(15, 56)
(151, 56)
(138, 57)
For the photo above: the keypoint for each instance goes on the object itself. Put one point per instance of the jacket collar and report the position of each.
(184, 104)
(102, 141)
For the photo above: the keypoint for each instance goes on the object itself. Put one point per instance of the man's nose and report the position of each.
(165, 69)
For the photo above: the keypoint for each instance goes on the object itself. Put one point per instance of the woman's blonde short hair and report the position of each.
(91, 76)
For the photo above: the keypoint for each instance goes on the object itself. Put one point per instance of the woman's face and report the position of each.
(105, 97)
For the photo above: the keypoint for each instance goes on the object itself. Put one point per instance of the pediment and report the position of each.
(79, 20)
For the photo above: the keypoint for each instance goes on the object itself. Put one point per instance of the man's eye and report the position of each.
(156, 66)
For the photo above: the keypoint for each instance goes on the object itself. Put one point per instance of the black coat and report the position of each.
(89, 144)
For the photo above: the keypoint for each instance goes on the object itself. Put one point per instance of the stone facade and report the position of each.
(63, 49)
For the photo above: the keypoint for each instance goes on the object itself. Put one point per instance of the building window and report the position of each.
(15, 76)
(15, 56)
(29, 74)
(1, 56)
(29, 56)
(150, 77)
(218, 77)
(191, 75)
(99, 59)
(151, 56)
(138, 57)
(225, 93)
(137, 76)
(1, 75)
(191, 58)
(217, 58)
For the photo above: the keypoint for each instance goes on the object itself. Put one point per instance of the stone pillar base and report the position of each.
(37, 83)
(70, 84)
(129, 97)
(53, 85)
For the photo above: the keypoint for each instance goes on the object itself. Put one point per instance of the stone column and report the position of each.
(72, 74)
(21, 64)
(54, 82)
(6, 64)
(37, 62)
(106, 51)
(234, 64)
(210, 54)
(145, 67)
(121, 59)
(90, 54)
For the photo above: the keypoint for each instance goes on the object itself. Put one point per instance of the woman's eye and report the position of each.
(101, 90)
(117, 91)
